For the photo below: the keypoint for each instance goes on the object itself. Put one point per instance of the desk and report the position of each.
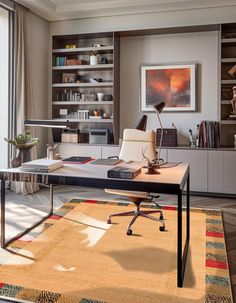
(169, 181)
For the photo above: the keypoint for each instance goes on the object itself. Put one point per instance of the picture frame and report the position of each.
(174, 84)
(68, 78)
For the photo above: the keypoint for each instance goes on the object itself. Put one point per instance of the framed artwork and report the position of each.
(173, 84)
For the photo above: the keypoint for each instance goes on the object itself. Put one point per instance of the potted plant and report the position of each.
(22, 142)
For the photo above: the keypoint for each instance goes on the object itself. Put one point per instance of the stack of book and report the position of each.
(123, 172)
(209, 134)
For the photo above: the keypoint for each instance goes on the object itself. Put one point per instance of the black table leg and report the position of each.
(182, 256)
(3, 219)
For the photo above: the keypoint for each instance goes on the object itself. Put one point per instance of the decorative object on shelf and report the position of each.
(234, 141)
(107, 98)
(71, 46)
(103, 60)
(22, 142)
(175, 84)
(93, 58)
(63, 112)
(169, 137)
(232, 71)
(100, 96)
(68, 78)
(158, 109)
(70, 135)
(96, 113)
(98, 45)
(98, 136)
(83, 114)
(191, 140)
(106, 116)
(95, 80)
(233, 101)
(70, 61)
(51, 151)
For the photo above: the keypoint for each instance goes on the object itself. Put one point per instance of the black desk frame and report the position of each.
(154, 187)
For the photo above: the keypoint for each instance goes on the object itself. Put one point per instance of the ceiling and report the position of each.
(53, 10)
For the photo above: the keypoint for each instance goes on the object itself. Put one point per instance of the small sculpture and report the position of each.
(191, 140)
(233, 101)
(152, 165)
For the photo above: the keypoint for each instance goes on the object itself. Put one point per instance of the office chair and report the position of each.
(134, 142)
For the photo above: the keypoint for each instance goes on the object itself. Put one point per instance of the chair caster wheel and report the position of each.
(129, 232)
(109, 221)
(162, 228)
(161, 217)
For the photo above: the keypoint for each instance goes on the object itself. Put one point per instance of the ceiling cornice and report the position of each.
(49, 10)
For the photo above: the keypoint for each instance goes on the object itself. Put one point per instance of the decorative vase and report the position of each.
(93, 60)
(23, 156)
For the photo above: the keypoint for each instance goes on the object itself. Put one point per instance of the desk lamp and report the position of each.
(142, 123)
(158, 109)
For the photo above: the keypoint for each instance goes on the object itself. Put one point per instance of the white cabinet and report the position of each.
(215, 171)
(197, 160)
(229, 172)
(73, 149)
(110, 151)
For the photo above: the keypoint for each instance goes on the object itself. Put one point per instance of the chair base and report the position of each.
(138, 213)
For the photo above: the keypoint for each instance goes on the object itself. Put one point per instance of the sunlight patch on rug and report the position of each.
(95, 231)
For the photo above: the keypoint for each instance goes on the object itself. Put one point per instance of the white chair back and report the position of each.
(135, 141)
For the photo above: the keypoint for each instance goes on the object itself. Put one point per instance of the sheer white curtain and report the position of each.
(24, 98)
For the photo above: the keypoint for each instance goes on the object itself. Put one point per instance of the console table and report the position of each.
(171, 180)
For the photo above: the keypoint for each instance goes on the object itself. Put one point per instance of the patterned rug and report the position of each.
(75, 257)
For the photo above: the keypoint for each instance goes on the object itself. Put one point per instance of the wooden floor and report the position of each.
(228, 206)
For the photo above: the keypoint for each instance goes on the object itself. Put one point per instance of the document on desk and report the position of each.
(41, 165)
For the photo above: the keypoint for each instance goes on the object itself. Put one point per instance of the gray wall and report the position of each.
(39, 33)
(201, 48)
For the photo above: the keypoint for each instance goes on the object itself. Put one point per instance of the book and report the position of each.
(77, 160)
(42, 165)
(123, 172)
(106, 161)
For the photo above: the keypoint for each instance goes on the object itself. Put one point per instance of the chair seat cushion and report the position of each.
(127, 193)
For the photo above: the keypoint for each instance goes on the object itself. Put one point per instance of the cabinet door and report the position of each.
(73, 149)
(229, 173)
(197, 160)
(215, 171)
(110, 151)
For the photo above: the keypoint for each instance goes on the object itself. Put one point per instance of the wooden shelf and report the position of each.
(226, 102)
(85, 67)
(85, 120)
(228, 121)
(81, 102)
(228, 81)
(228, 60)
(101, 49)
(98, 84)
(228, 40)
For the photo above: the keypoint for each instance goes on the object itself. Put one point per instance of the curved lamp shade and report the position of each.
(159, 107)
(142, 123)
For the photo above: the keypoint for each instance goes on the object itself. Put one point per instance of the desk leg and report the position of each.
(3, 219)
(51, 200)
(182, 255)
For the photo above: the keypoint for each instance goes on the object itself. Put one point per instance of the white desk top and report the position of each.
(171, 175)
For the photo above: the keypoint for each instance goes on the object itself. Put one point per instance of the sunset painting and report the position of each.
(174, 85)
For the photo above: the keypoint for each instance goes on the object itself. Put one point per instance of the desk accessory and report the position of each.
(158, 108)
(42, 165)
(77, 160)
(123, 172)
(108, 161)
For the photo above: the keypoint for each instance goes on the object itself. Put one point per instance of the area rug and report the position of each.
(74, 256)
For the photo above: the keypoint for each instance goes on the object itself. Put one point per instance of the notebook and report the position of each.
(106, 161)
(77, 160)
(42, 165)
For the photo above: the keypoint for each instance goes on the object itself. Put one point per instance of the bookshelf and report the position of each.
(228, 80)
(76, 81)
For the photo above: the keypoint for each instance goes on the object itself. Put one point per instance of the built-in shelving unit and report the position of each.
(228, 80)
(77, 82)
